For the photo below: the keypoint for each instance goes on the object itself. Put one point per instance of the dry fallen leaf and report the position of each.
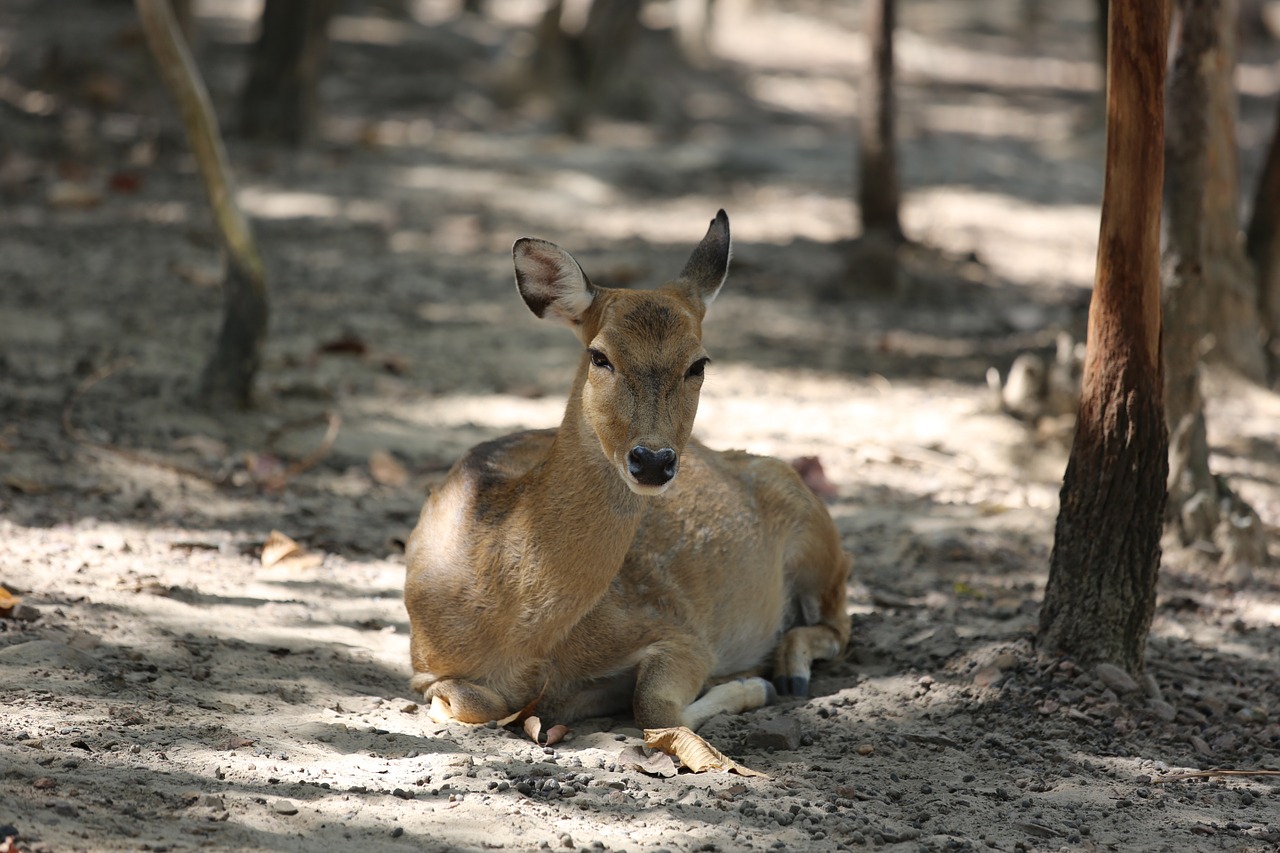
(533, 728)
(346, 344)
(386, 470)
(8, 601)
(277, 547)
(696, 753)
(70, 195)
(654, 763)
(280, 550)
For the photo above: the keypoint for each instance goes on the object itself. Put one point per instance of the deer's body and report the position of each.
(614, 563)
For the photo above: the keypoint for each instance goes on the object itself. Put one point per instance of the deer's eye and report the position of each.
(698, 368)
(599, 359)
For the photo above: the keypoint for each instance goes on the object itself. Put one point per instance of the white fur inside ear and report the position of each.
(710, 296)
(550, 281)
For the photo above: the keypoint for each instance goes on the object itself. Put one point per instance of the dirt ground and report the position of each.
(162, 689)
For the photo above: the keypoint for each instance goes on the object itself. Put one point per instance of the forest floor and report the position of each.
(161, 688)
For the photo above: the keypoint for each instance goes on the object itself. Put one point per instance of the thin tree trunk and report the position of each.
(279, 99)
(1263, 248)
(228, 376)
(1231, 310)
(580, 62)
(1106, 556)
(878, 188)
(1186, 172)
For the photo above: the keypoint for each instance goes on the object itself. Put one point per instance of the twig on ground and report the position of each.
(1206, 774)
(282, 479)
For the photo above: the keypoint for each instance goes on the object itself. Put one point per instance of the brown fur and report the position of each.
(541, 571)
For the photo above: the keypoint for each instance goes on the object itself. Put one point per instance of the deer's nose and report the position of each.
(651, 467)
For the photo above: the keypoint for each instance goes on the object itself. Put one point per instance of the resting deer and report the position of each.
(614, 562)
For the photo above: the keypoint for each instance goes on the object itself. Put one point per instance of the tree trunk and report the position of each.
(1198, 501)
(279, 98)
(878, 192)
(1186, 171)
(580, 61)
(1263, 248)
(1106, 555)
(228, 376)
(1231, 309)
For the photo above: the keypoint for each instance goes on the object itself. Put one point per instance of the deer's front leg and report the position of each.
(464, 701)
(671, 676)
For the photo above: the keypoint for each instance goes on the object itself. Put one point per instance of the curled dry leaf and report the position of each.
(280, 550)
(277, 547)
(652, 763)
(693, 751)
(8, 601)
(386, 470)
(533, 728)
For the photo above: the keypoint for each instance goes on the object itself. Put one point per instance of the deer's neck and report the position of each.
(580, 521)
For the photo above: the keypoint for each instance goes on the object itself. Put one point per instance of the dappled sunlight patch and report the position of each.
(1020, 240)
(266, 203)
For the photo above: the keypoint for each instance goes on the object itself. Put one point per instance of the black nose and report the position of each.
(651, 467)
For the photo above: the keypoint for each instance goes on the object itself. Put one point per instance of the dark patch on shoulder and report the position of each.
(492, 467)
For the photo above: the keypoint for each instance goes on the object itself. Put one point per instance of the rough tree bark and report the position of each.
(227, 380)
(1262, 245)
(1106, 555)
(581, 61)
(1201, 508)
(1186, 170)
(1231, 311)
(878, 188)
(279, 102)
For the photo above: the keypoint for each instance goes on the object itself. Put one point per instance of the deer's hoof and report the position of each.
(791, 685)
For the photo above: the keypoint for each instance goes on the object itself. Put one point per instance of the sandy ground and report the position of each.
(162, 689)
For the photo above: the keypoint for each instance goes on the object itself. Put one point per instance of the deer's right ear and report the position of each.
(551, 282)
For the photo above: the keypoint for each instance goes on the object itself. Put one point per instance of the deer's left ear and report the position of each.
(551, 282)
(704, 273)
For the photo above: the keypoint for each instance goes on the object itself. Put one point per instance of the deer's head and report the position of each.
(644, 359)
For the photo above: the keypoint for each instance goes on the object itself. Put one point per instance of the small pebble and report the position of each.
(1115, 678)
(284, 807)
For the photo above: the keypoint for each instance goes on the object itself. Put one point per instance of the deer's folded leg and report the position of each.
(465, 701)
(799, 648)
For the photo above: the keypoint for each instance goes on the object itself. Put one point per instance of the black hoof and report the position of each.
(792, 685)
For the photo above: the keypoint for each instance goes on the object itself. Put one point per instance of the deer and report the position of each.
(616, 563)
